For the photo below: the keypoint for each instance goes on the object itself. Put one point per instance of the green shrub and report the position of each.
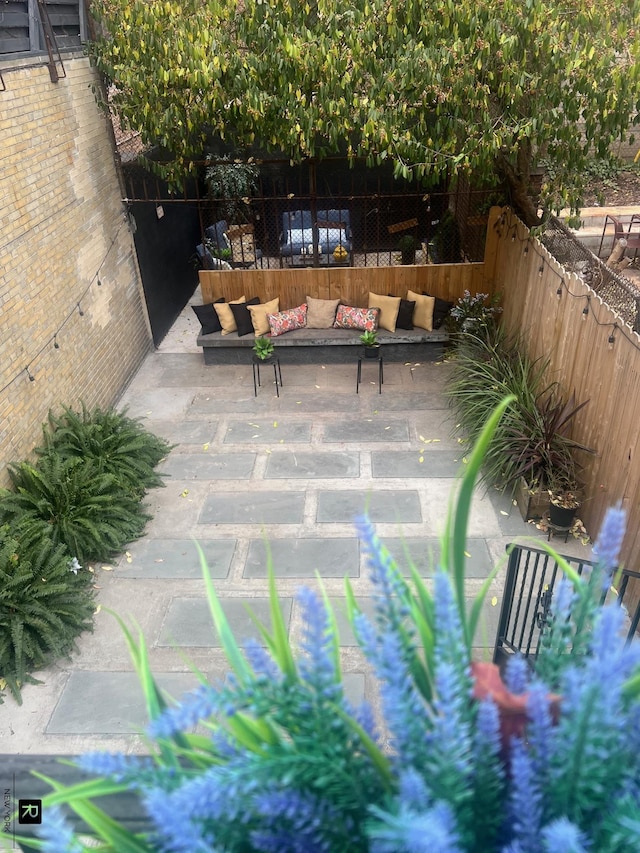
(118, 445)
(532, 439)
(46, 601)
(71, 502)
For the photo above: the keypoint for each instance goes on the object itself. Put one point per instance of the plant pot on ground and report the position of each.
(564, 503)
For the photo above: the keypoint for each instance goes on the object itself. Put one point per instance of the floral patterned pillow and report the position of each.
(362, 319)
(287, 321)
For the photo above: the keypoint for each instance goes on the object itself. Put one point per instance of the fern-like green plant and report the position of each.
(70, 502)
(118, 445)
(46, 601)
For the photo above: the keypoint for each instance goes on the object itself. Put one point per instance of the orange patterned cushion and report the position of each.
(362, 319)
(287, 321)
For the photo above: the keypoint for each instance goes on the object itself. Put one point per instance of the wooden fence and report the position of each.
(561, 318)
(349, 284)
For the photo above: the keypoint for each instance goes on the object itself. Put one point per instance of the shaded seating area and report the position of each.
(302, 235)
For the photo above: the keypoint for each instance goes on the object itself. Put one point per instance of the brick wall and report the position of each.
(62, 229)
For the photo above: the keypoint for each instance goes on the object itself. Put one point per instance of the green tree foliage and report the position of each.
(46, 601)
(439, 87)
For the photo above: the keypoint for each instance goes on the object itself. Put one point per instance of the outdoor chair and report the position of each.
(632, 237)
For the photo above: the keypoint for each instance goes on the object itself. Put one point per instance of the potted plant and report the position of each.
(459, 756)
(371, 345)
(407, 246)
(564, 502)
(263, 348)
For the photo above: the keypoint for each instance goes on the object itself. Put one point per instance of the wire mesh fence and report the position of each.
(621, 294)
(325, 213)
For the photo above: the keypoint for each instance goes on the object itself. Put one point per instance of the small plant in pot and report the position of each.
(407, 246)
(371, 345)
(263, 348)
(564, 502)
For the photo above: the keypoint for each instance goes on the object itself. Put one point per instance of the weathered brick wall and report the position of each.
(62, 229)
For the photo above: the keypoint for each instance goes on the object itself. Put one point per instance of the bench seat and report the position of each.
(315, 346)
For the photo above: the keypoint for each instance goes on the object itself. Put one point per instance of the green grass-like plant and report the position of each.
(116, 443)
(532, 440)
(71, 502)
(46, 601)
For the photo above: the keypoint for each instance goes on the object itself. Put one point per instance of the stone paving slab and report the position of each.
(270, 431)
(186, 432)
(302, 558)
(425, 553)
(315, 401)
(253, 508)
(413, 463)
(307, 465)
(400, 401)
(366, 429)
(385, 505)
(209, 466)
(176, 558)
(188, 622)
(110, 702)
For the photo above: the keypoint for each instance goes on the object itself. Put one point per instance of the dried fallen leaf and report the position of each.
(184, 493)
(267, 450)
(494, 600)
(205, 446)
(107, 568)
(388, 427)
(275, 424)
(421, 459)
(98, 609)
(317, 386)
(467, 554)
(464, 460)
(422, 438)
(502, 512)
(407, 363)
(435, 440)
(160, 560)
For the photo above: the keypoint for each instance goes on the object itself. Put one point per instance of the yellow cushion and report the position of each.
(259, 315)
(225, 315)
(389, 307)
(423, 312)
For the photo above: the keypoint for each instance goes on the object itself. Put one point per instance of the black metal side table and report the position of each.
(277, 372)
(380, 361)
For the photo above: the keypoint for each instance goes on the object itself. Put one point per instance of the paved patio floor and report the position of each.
(251, 474)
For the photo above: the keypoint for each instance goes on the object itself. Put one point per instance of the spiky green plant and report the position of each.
(533, 439)
(117, 444)
(70, 502)
(46, 601)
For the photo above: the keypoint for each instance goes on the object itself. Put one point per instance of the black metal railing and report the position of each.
(531, 579)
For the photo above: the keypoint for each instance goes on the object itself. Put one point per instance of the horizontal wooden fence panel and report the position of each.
(555, 326)
(349, 284)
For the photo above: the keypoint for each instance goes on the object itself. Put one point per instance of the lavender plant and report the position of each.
(287, 764)
(473, 313)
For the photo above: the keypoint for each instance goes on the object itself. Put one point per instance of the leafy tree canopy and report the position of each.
(439, 87)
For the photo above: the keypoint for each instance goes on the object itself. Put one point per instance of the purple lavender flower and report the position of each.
(318, 667)
(526, 800)
(415, 832)
(389, 590)
(56, 833)
(609, 541)
(261, 661)
(292, 822)
(197, 705)
(450, 644)
(540, 730)
(563, 836)
(413, 791)
(517, 674)
(404, 710)
(117, 766)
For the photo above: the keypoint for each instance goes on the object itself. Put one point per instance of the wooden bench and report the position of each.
(327, 346)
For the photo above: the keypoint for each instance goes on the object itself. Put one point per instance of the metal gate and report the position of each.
(532, 575)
